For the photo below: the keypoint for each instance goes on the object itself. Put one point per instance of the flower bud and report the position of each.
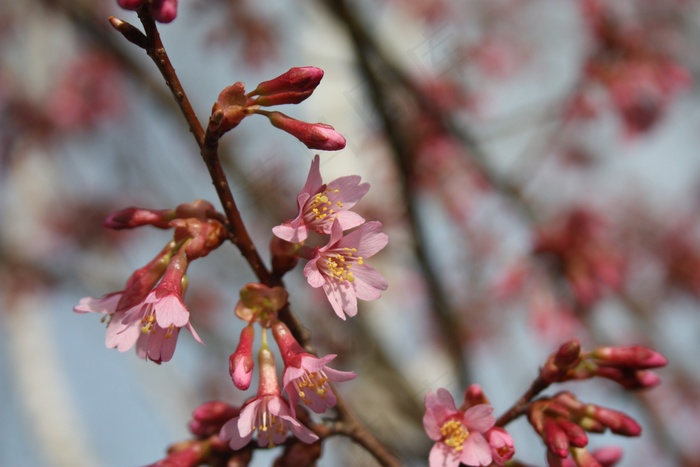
(298, 79)
(555, 438)
(132, 217)
(583, 458)
(608, 456)
(198, 209)
(313, 135)
(618, 422)
(164, 11)
(299, 454)
(474, 395)
(209, 417)
(501, 443)
(129, 4)
(576, 435)
(241, 361)
(636, 357)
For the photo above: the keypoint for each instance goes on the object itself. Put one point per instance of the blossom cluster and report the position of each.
(150, 311)
(339, 266)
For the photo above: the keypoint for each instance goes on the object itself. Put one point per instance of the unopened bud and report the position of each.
(133, 217)
(583, 458)
(298, 79)
(209, 417)
(618, 422)
(164, 11)
(637, 357)
(198, 209)
(576, 434)
(228, 110)
(608, 456)
(241, 361)
(313, 135)
(298, 454)
(555, 438)
(474, 395)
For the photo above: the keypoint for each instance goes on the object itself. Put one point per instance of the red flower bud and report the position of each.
(296, 80)
(132, 217)
(241, 361)
(584, 458)
(618, 422)
(576, 434)
(474, 395)
(555, 438)
(209, 417)
(608, 456)
(636, 357)
(313, 135)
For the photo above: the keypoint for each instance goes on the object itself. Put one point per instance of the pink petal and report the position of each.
(350, 190)
(313, 275)
(104, 305)
(171, 311)
(230, 431)
(442, 456)
(476, 451)
(368, 282)
(367, 239)
(349, 220)
(341, 297)
(478, 418)
(313, 180)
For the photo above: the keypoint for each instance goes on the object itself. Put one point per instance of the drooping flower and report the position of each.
(320, 204)
(458, 435)
(153, 322)
(267, 413)
(306, 377)
(339, 267)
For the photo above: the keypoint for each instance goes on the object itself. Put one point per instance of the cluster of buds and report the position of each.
(306, 378)
(150, 311)
(583, 252)
(640, 77)
(163, 11)
(562, 422)
(466, 435)
(339, 266)
(626, 365)
(292, 87)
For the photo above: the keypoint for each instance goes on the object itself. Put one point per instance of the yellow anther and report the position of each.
(454, 434)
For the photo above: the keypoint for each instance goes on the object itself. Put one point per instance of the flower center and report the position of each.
(311, 383)
(269, 425)
(149, 324)
(454, 434)
(321, 205)
(339, 265)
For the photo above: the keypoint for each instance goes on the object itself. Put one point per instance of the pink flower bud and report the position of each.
(583, 458)
(241, 362)
(129, 4)
(618, 422)
(164, 11)
(209, 417)
(203, 237)
(608, 456)
(637, 357)
(555, 438)
(313, 135)
(501, 442)
(298, 79)
(187, 454)
(474, 395)
(576, 434)
(132, 217)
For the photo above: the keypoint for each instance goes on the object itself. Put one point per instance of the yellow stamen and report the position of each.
(454, 434)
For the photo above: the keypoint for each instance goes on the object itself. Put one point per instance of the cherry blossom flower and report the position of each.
(459, 435)
(339, 267)
(501, 443)
(153, 323)
(320, 204)
(267, 413)
(306, 377)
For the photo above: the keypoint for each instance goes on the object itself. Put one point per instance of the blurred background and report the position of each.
(534, 163)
